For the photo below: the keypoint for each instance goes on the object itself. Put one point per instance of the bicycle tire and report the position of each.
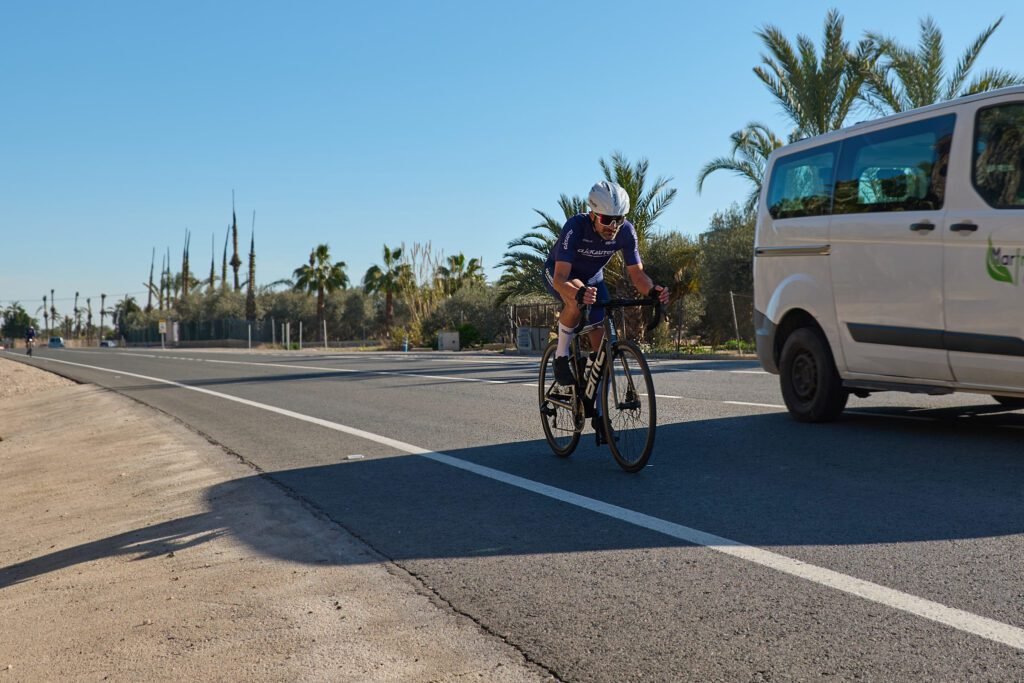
(561, 440)
(630, 416)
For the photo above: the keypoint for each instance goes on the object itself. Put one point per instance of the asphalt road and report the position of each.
(885, 546)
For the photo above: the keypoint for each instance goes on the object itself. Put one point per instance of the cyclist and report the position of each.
(574, 271)
(30, 335)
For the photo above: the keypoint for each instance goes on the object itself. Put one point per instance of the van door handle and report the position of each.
(922, 227)
(963, 227)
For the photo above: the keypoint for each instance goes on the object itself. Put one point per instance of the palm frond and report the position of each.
(967, 60)
(992, 79)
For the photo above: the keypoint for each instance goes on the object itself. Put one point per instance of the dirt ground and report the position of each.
(114, 565)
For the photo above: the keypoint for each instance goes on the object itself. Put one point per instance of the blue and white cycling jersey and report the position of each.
(588, 252)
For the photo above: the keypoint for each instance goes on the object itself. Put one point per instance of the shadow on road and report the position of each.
(763, 480)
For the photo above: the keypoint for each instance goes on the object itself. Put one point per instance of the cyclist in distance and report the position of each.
(30, 335)
(574, 271)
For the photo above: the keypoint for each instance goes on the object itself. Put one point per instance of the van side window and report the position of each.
(902, 168)
(801, 183)
(999, 156)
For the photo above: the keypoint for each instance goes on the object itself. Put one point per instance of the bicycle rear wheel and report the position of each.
(628, 407)
(559, 410)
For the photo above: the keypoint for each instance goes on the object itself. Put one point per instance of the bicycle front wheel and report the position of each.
(559, 410)
(628, 407)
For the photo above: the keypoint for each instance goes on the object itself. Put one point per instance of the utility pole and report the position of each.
(735, 323)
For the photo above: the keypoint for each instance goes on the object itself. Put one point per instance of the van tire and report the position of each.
(1012, 402)
(811, 386)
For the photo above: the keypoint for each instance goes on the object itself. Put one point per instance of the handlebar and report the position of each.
(659, 310)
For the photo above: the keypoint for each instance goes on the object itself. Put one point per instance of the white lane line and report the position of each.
(364, 372)
(990, 629)
(756, 405)
(529, 384)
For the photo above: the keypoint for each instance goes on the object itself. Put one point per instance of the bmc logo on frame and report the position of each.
(1003, 267)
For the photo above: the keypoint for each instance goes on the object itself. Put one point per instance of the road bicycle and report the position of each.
(29, 343)
(618, 372)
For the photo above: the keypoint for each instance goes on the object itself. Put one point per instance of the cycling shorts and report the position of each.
(596, 311)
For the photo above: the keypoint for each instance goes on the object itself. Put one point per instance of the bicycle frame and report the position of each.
(590, 381)
(618, 376)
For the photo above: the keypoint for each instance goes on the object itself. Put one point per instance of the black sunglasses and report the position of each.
(610, 220)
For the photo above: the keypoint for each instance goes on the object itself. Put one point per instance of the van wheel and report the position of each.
(1012, 402)
(811, 386)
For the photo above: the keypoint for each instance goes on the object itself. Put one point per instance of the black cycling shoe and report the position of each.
(563, 373)
(598, 424)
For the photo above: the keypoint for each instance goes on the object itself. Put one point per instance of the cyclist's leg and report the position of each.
(568, 318)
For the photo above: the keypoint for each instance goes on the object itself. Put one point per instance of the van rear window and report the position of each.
(999, 156)
(801, 183)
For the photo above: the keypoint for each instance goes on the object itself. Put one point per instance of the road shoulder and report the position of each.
(121, 558)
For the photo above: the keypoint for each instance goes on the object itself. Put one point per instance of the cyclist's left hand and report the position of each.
(660, 292)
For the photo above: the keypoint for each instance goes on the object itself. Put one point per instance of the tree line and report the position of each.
(413, 293)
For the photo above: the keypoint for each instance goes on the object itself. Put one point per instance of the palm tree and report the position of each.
(816, 94)
(392, 279)
(522, 276)
(459, 273)
(646, 205)
(320, 276)
(919, 78)
(750, 149)
(124, 311)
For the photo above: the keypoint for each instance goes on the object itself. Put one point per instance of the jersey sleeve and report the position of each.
(630, 250)
(565, 249)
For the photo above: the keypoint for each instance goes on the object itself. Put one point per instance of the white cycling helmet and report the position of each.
(608, 199)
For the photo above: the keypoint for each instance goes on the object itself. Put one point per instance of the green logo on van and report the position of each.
(998, 264)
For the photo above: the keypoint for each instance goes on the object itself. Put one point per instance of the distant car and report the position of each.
(109, 343)
(56, 343)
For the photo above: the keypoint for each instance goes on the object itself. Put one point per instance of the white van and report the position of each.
(888, 256)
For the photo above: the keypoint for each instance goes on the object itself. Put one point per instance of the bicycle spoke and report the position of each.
(629, 408)
(557, 408)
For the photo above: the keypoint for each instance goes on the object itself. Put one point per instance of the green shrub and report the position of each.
(468, 336)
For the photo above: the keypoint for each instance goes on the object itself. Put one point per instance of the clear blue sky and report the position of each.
(359, 124)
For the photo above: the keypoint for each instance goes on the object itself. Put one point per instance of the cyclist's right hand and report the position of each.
(586, 296)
